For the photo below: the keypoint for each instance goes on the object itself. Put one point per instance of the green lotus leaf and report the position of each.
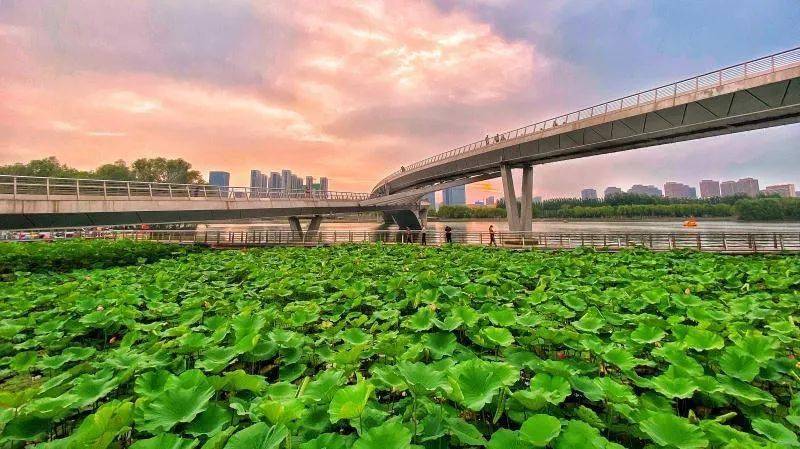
(591, 321)
(615, 391)
(420, 321)
(746, 393)
(624, 359)
(737, 363)
(22, 361)
(644, 334)
(348, 402)
(578, 434)
(216, 359)
(554, 389)
(241, 381)
(673, 431)
(182, 399)
(389, 435)
(440, 344)
(326, 441)
(507, 439)
(703, 340)
(165, 441)
(466, 315)
(258, 436)
(775, 432)
(475, 382)
(99, 429)
(540, 429)
(497, 336)
(675, 384)
(281, 411)
(675, 355)
(573, 301)
(503, 317)
(215, 418)
(464, 432)
(323, 387)
(356, 336)
(91, 387)
(421, 378)
(760, 347)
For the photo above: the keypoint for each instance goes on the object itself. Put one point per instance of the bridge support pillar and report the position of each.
(297, 228)
(520, 217)
(406, 218)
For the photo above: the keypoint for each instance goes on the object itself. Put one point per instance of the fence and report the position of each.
(749, 69)
(710, 242)
(60, 188)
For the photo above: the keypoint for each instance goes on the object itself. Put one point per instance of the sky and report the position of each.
(352, 90)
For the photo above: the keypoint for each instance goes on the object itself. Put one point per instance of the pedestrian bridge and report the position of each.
(35, 202)
(756, 94)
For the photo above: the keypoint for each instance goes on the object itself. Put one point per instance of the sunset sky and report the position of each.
(351, 90)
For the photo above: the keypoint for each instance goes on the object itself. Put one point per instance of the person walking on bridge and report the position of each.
(487, 139)
(492, 241)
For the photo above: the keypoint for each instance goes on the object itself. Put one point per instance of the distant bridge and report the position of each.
(761, 93)
(756, 94)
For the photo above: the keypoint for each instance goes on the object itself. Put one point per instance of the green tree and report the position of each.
(48, 167)
(117, 171)
(159, 169)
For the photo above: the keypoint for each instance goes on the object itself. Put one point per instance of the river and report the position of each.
(589, 227)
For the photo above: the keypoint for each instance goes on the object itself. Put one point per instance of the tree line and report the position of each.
(176, 171)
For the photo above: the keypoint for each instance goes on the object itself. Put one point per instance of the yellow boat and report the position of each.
(690, 223)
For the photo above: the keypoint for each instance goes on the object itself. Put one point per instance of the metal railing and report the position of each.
(738, 72)
(722, 242)
(58, 188)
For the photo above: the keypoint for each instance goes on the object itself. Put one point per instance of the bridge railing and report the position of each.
(722, 242)
(738, 72)
(93, 189)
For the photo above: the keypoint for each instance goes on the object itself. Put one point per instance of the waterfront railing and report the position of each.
(723, 242)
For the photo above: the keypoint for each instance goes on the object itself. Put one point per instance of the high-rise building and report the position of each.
(784, 190)
(323, 183)
(679, 190)
(219, 178)
(611, 191)
(309, 183)
(264, 181)
(455, 196)
(588, 194)
(275, 181)
(286, 180)
(727, 188)
(709, 188)
(649, 190)
(490, 200)
(255, 179)
(747, 187)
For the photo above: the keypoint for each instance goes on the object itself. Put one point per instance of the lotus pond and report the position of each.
(379, 347)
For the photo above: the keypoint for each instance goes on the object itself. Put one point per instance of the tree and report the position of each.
(176, 171)
(48, 167)
(117, 171)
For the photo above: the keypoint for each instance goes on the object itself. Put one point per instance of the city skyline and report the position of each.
(357, 90)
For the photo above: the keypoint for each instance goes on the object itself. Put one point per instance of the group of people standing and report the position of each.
(408, 235)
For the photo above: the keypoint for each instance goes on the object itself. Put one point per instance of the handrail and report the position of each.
(737, 72)
(722, 242)
(93, 188)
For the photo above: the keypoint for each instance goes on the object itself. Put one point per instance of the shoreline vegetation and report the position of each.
(637, 207)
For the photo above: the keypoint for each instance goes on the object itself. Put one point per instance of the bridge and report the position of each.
(761, 93)
(755, 94)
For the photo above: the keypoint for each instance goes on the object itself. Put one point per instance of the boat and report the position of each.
(690, 223)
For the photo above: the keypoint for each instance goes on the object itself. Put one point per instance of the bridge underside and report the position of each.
(34, 214)
(751, 104)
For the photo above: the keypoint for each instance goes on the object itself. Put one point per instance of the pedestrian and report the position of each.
(448, 234)
(409, 238)
(492, 241)
(496, 138)
(487, 139)
(423, 239)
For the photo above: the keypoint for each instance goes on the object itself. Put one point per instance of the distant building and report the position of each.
(286, 180)
(784, 190)
(679, 190)
(255, 179)
(219, 178)
(611, 191)
(455, 196)
(747, 187)
(323, 183)
(588, 194)
(275, 181)
(649, 190)
(431, 199)
(309, 183)
(709, 189)
(490, 201)
(727, 188)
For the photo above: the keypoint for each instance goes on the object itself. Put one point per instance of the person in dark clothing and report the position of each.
(492, 241)
(409, 238)
(423, 239)
(448, 234)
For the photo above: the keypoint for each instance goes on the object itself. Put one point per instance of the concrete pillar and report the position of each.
(511, 199)
(313, 226)
(526, 214)
(294, 225)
